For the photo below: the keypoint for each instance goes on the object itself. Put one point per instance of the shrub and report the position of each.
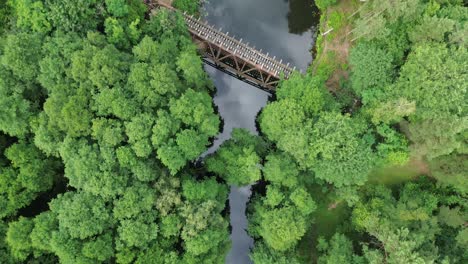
(324, 4)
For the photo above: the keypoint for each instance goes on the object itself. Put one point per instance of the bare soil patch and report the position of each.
(337, 42)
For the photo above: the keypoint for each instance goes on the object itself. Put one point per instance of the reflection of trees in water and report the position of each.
(303, 14)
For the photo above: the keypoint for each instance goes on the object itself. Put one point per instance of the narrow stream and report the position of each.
(285, 29)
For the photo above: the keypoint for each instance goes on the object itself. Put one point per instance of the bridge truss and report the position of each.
(232, 56)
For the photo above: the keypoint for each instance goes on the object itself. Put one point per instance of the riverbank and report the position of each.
(282, 30)
(333, 43)
(331, 64)
(332, 46)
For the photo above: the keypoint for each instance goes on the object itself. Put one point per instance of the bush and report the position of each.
(336, 20)
(187, 5)
(372, 69)
(324, 4)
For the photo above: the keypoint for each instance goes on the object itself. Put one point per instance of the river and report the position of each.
(286, 30)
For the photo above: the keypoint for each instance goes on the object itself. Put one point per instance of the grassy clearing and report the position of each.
(399, 174)
(333, 48)
(326, 219)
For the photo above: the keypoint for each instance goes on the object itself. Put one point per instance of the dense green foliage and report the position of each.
(404, 101)
(101, 112)
(323, 4)
(238, 159)
(105, 108)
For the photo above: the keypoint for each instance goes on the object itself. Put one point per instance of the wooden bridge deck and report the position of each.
(232, 55)
(236, 47)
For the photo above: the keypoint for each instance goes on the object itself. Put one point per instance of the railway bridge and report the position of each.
(231, 55)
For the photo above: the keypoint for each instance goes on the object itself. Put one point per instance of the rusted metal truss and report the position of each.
(231, 55)
(228, 62)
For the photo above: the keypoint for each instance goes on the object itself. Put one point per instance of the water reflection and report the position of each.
(303, 15)
(283, 29)
(265, 25)
(238, 104)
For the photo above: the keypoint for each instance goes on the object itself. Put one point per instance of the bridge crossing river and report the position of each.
(234, 56)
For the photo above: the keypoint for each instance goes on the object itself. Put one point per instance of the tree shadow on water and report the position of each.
(303, 15)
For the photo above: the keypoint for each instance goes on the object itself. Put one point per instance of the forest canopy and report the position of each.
(107, 113)
(103, 108)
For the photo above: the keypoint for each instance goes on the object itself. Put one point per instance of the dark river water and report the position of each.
(285, 29)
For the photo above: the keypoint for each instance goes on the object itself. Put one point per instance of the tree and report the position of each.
(30, 174)
(282, 228)
(292, 118)
(262, 254)
(303, 201)
(171, 226)
(108, 132)
(116, 118)
(108, 66)
(281, 169)
(191, 143)
(44, 225)
(99, 249)
(434, 79)
(383, 13)
(195, 109)
(397, 246)
(431, 29)
(371, 70)
(92, 169)
(191, 67)
(136, 200)
(154, 84)
(451, 217)
(308, 91)
(118, 8)
(450, 170)
(21, 55)
(15, 113)
(393, 148)
(5, 253)
(121, 33)
(137, 232)
(392, 111)
(109, 102)
(78, 16)
(35, 171)
(19, 94)
(144, 170)
(157, 255)
(338, 250)
(321, 143)
(187, 5)
(339, 151)
(138, 131)
(32, 15)
(71, 250)
(5, 13)
(175, 145)
(437, 136)
(18, 239)
(81, 215)
(238, 160)
(407, 227)
(204, 229)
(209, 189)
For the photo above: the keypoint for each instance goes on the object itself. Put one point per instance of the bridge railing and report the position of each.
(205, 31)
(232, 55)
